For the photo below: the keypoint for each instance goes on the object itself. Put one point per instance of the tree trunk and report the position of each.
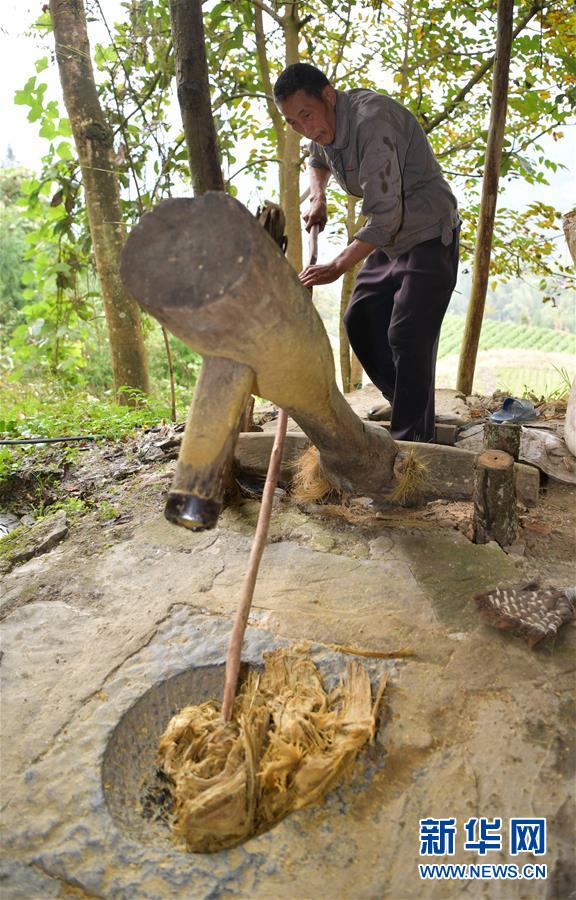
(503, 436)
(94, 145)
(346, 355)
(290, 194)
(287, 141)
(343, 342)
(356, 373)
(495, 514)
(488, 200)
(194, 95)
(407, 41)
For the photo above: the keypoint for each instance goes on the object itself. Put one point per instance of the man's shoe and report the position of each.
(380, 413)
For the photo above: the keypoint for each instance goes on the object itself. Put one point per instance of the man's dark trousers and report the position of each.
(393, 323)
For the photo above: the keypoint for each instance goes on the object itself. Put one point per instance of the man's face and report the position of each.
(313, 117)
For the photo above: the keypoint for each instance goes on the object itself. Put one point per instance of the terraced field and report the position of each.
(495, 335)
(518, 359)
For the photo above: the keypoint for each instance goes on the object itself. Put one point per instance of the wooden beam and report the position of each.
(450, 473)
(207, 270)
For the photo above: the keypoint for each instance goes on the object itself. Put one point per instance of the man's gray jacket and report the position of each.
(381, 154)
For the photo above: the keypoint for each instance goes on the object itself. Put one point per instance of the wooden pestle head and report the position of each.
(208, 271)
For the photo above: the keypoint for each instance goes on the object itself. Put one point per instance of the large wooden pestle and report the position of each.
(207, 270)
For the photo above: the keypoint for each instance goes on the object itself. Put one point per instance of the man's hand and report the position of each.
(324, 274)
(317, 213)
(329, 272)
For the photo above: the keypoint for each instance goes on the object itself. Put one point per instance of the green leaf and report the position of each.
(48, 130)
(41, 64)
(64, 150)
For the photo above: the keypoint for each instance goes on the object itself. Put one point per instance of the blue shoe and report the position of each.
(513, 410)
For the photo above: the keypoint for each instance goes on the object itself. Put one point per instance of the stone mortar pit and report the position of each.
(136, 793)
(135, 789)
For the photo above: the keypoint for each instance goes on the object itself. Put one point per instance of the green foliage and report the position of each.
(427, 54)
(12, 248)
(537, 384)
(72, 506)
(106, 511)
(41, 410)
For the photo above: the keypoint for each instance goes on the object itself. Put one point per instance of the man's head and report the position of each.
(307, 101)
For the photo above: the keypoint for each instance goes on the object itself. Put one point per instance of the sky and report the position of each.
(19, 49)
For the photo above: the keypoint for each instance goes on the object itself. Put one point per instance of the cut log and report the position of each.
(503, 436)
(495, 513)
(206, 270)
(449, 476)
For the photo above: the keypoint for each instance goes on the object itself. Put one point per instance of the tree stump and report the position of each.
(495, 514)
(503, 436)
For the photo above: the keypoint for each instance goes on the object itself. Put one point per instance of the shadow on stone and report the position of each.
(136, 791)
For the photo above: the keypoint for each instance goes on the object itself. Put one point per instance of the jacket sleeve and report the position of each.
(315, 159)
(381, 182)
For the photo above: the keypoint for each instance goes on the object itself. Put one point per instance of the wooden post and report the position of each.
(488, 200)
(495, 514)
(503, 436)
(245, 304)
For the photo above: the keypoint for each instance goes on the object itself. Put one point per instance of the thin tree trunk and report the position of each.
(348, 360)
(194, 95)
(94, 144)
(488, 199)
(290, 196)
(345, 294)
(263, 65)
(287, 141)
(407, 39)
(166, 337)
(356, 373)
(344, 343)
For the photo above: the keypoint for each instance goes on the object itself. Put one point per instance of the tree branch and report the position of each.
(479, 74)
(223, 100)
(263, 7)
(341, 45)
(254, 162)
(277, 120)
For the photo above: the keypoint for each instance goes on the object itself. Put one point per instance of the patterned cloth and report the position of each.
(533, 611)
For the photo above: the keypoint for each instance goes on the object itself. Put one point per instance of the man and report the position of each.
(376, 150)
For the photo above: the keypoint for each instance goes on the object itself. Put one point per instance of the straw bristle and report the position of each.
(309, 484)
(411, 474)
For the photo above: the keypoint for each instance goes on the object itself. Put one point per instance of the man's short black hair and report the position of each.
(300, 77)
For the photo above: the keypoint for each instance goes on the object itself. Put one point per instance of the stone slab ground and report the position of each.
(474, 723)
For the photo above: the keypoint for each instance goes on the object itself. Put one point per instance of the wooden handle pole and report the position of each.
(234, 656)
(258, 545)
(313, 245)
